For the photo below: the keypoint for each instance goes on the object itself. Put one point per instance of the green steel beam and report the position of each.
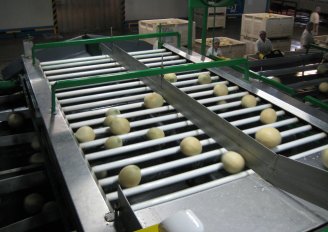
(103, 40)
(273, 83)
(6, 85)
(192, 4)
(141, 73)
(319, 47)
(316, 102)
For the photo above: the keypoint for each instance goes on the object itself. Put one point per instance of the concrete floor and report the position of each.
(12, 48)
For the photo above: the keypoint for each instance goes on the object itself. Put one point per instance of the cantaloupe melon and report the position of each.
(248, 101)
(120, 126)
(323, 87)
(113, 111)
(155, 133)
(324, 157)
(191, 146)
(15, 120)
(233, 162)
(153, 100)
(268, 136)
(129, 176)
(35, 143)
(268, 116)
(204, 78)
(36, 158)
(85, 134)
(220, 90)
(170, 77)
(33, 203)
(113, 142)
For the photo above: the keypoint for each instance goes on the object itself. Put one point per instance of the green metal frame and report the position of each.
(257, 76)
(7, 85)
(103, 40)
(319, 47)
(192, 4)
(141, 73)
(316, 102)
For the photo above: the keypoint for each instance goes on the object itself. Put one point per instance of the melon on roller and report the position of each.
(324, 157)
(113, 111)
(120, 126)
(113, 142)
(155, 133)
(204, 78)
(220, 90)
(190, 146)
(170, 77)
(85, 134)
(248, 101)
(153, 100)
(268, 136)
(233, 162)
(129, 176)
(268, 116)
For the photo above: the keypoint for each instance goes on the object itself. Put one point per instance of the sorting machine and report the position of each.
(282, 189)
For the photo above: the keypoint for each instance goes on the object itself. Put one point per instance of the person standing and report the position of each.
(263, 45)
(307, 37)
(214, 50)
(315, 19)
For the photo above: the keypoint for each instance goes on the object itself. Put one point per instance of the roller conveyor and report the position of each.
(167, 174)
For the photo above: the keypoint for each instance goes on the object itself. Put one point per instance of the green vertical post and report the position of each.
(190, 23)
(204, 31)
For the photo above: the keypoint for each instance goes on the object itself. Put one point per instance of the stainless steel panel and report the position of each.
(88, 204)
(248, 204)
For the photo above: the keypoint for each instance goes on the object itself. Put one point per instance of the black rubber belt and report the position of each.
(302, 180)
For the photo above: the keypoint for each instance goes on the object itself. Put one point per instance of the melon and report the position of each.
(170, 77)
(85, 134)
(233, 162)
(248, 101)
(323, 87)
(113, 111)
(113, 142)
(268, 116)
(35, 143)
(129, 176)
(324, 157)
(120, 126)
(108, 120)
(268, 136)
(220, 90)
(36, 158)
(155, 133)
(204, 78)
(190, 146)
(33, 203)
(15, 120)
(153, 100)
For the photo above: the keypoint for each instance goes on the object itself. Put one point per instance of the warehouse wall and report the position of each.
(155, 9)
(86, 16)
(18, 14)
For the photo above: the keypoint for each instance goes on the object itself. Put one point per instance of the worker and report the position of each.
(315, 19)
(263, 45)
(214, 50)
(307, 37)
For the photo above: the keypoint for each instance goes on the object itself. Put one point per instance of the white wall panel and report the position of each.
(16, 14)
(155, 9)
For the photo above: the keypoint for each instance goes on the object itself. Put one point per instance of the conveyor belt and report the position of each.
(166, 173)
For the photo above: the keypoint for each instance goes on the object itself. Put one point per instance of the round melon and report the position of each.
(233, 162)
(153, 100)
(33, 203)
(155, 133)
(108, 120)
(113, 142)
(323, 87)
(324, 157)
(15, 120)
(191, 146)
(268, 136)
(277, 79)
(129, 176)
(35, 143)
(248, 101)
(204, 78)
(113, 111)
(85, 134)
(220, 90)
(120, 126)
(36, 158)
(101, 175)
(170, 77)
(322, 68)
(268, 116)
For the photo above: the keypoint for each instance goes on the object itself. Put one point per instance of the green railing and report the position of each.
(103, 40)
(316, 102)
(257, 76)
(319, 47)
(141, 73)
(7, 85)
